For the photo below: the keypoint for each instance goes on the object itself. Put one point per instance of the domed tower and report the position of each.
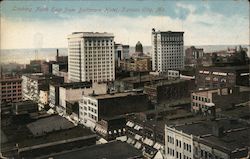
(139, 48)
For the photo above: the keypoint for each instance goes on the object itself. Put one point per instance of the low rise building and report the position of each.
(10, 89)
(95, 107)
(60, 69)
(111, 128)
(193, 56)
(208, 102)
(138, 82)
(216, 77)
(121, 53)
(69, 92)
(43, 98)
(24, 107)
(33, 83)
(139, 64)
(170, 90)
(111, 150)
(207, 139)
(145, 130)
(60, 94)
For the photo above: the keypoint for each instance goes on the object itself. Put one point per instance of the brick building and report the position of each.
(95, 107)
(10, 89)
(163, 92)
(208, 102)
(33, 83)
(215, 77)
(139, 64)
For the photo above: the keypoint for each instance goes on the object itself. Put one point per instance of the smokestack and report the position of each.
(57, 54)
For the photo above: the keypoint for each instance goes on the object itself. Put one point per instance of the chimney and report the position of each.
(57, 54)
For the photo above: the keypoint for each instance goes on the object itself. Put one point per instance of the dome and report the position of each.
(138, 47)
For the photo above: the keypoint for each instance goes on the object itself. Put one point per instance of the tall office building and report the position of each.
(167, 50)
(91, 57)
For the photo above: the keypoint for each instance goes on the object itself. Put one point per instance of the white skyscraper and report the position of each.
(91, 57)
(167, 50)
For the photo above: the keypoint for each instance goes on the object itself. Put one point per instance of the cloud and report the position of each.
(207, 28)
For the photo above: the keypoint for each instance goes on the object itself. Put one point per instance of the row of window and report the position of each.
(11, 95)
(170, 139)
(9, 87)
(10, 83)
(92, 116)
(178, 154)
(203, 99)
(92, 110)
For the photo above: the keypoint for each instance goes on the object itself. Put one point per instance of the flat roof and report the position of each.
(116, 95)
(49, 124)
(90, 34)
(169, 32)
(143, 78)
(111, 150)
(75, 85)
(60, 135)
(168, 82)
(41, 76)
(205, 93)
(228, 68)
(206, 127)
(232, 140)
(170, 117)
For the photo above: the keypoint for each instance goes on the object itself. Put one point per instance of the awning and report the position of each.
(137, 145)
(148, 142)
(137, 137)
(157, 146)
(130, 124)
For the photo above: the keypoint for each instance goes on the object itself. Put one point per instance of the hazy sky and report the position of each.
(46, 24)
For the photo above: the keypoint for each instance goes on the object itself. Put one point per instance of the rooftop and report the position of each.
(41, 76)
(60, 135)
(116, 95)
(232, 140)
(111, 150)
(18, 132)
(167, 32)
(227, 68)
(90, 34)
(205, 93)
(158, 119)
(76, 85)
(49, 124)
(10, 78)
(202, 128)
(145, 78)
(168, 82)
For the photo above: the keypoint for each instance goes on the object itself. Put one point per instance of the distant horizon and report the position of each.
(23, 56)
(126, 44)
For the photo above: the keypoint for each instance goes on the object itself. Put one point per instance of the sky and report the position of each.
(46, 23)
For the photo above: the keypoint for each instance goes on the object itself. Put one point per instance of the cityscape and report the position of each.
(137, 79)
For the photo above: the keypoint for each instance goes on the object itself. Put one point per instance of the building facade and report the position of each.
(138, 64)
(164, 92)
(91, 57)
(220, 138)
(178, 145)
(11, 89)
(167, 50)
(209, 102)
(33, 83)
(216, 77)
(95, 107)
(193, 56)
(121, 53)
